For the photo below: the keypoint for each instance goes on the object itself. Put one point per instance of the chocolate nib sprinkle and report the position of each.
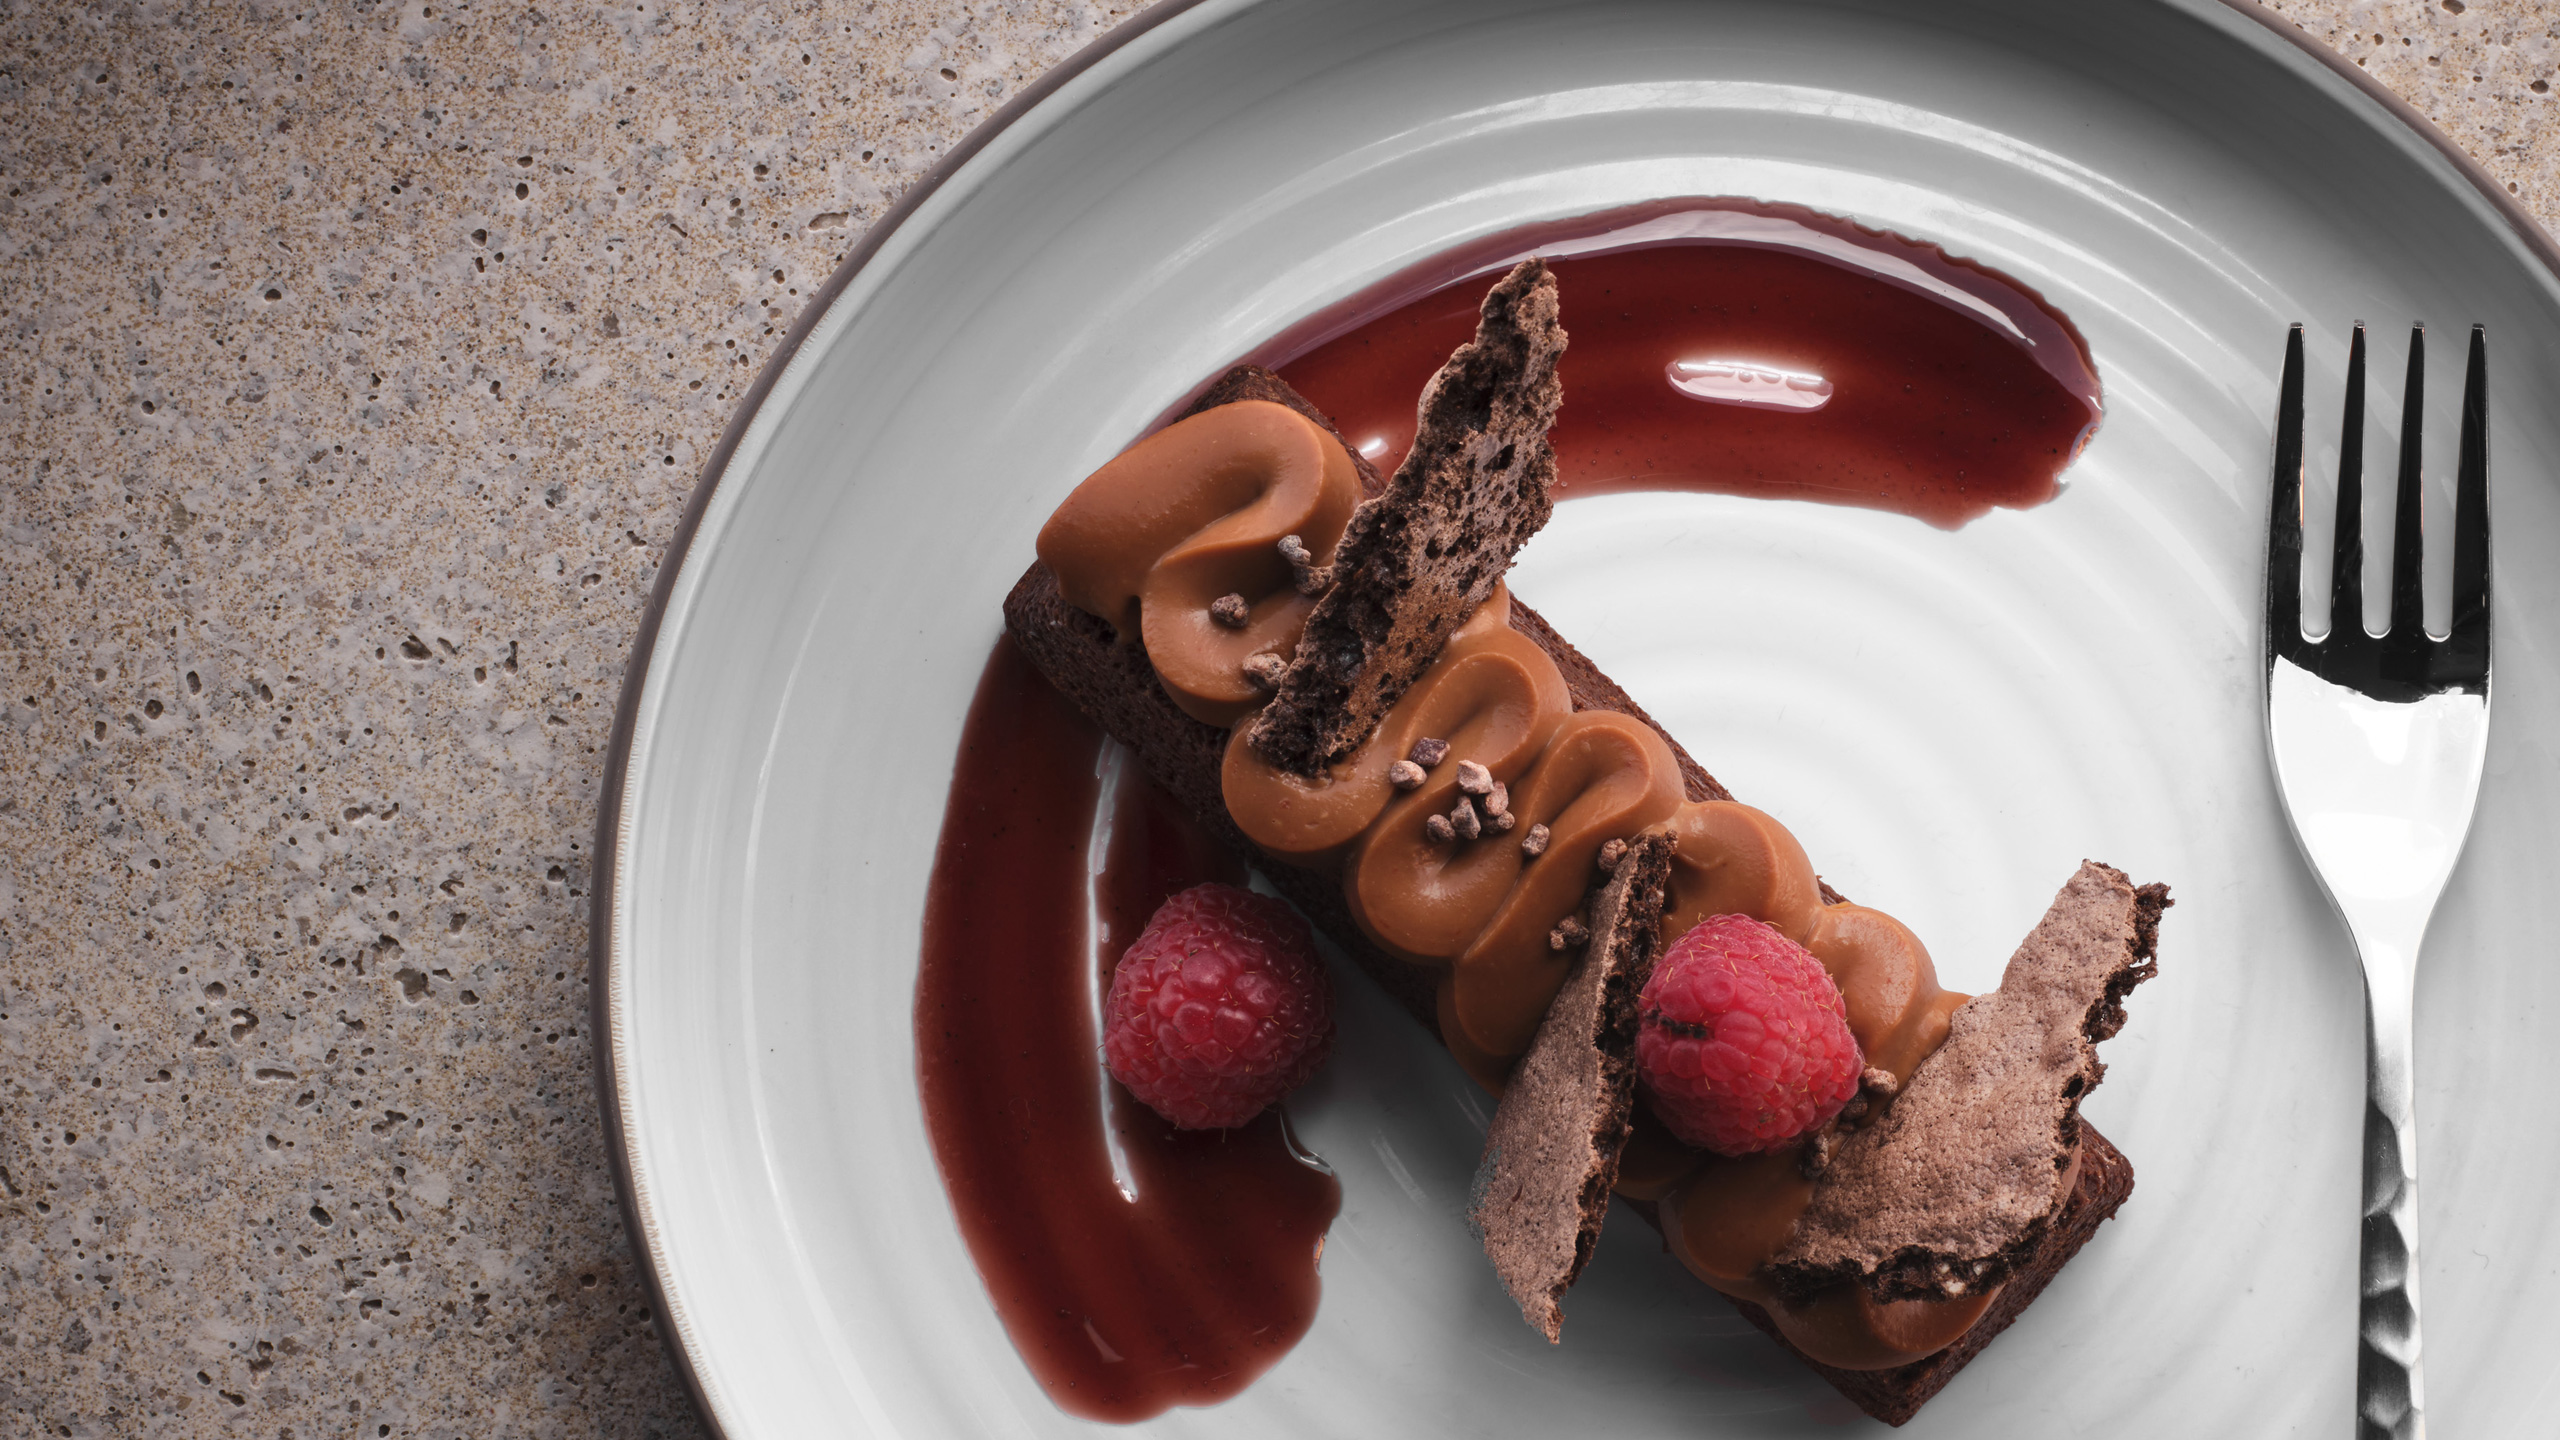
(1465, 821)
(1306, 574)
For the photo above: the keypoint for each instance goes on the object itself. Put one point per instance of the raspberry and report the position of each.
(1219, 1008)
(1743, 1042)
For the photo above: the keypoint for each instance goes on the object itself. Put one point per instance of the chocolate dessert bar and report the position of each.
(1327, 673)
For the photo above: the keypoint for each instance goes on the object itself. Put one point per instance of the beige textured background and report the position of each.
(357, 361)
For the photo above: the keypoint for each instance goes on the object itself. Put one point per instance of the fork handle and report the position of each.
(2390, 1398)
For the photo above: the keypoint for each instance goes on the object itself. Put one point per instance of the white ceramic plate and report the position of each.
(1950, 720)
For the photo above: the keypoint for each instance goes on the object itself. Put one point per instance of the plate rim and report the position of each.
(612, 1059)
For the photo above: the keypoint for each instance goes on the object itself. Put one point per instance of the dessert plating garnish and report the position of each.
(1743, 1042)
(1220, 1008)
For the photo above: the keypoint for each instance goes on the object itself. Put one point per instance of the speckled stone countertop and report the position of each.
(358, 361)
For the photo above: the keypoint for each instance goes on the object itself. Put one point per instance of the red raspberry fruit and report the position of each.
(1743, 1042)
(1219, 1008)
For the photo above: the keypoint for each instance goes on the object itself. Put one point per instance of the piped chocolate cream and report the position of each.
(1177, 544)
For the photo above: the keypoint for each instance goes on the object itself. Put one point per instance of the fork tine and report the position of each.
(2284, 511)
(2469, 638)
(2346, 572)
(2408, 594)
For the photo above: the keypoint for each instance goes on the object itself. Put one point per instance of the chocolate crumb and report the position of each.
(1310, 578)
(1855, 1110)
(1230, 611)
(1497, 801)
(1570, 934)
(1439, 828)
(1880, 1081)
(1405, 775)
(1612, 853)
(1534, 844)
(1466, 821)
(1503, 822)
(1474, 779)
(1265, 668)
(1815, 1157)
(1428, 752)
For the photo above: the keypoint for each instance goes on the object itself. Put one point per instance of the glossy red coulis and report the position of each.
(1951, 388)
(1122, 1305)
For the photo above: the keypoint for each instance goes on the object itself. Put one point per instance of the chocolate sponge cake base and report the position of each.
(1894, 1396)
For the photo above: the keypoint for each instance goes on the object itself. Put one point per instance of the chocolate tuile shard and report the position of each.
(1957, 1186)
(1894, 1396)
(1542, 1188)
(1419, 559)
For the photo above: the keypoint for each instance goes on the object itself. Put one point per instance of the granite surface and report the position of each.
(358, 360)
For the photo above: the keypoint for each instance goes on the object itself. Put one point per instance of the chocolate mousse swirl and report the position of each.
(1551, 788)
(1198, 541)
(1193, 516)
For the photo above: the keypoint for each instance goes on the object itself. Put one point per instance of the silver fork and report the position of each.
(2378, 742)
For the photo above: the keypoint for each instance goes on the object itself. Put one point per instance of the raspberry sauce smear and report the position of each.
(1135, 1266)
(1743, 348)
